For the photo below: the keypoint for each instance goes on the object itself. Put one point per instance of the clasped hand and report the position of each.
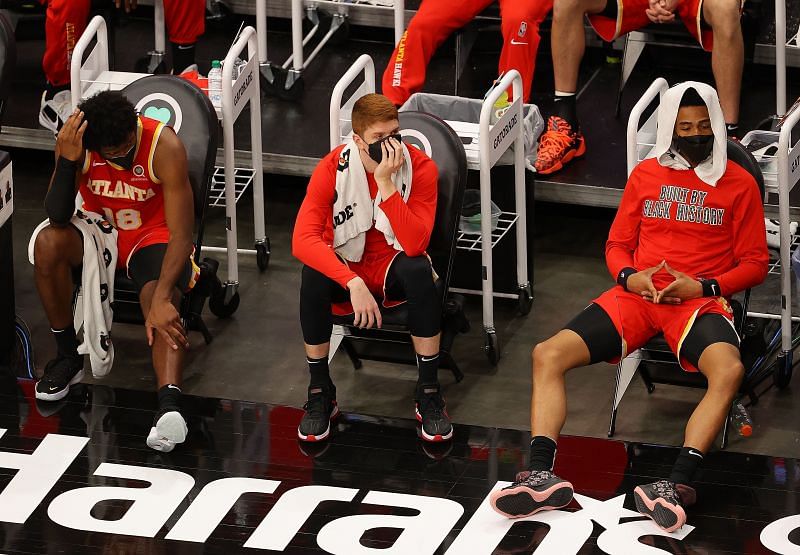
(683, 288)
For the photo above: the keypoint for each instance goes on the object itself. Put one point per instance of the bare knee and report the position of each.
(726, 379)
(52, 247)
(547, 360)
(724, 18)
(564, 10)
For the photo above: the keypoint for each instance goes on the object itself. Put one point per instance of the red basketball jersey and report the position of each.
(131, 200)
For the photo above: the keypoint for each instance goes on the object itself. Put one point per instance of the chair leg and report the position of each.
(199, 324)
(351, 353)
(725, 428)
(625, 371)
(451, 364)
(634, 45)
(648, 381)
(612, 426)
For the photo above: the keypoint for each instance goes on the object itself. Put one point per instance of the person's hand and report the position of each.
(365, 307)
(164, 319)
(661, 11)
(684, 287)
(392, 160)
(69, 142)
(128, 5)
(641, 283)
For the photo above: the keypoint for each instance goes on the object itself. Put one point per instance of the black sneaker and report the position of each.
(320, 409)
(665, 503)
(531, 492)
(59, 374)
(431, 413)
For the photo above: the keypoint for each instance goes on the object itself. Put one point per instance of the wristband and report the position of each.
(710, 287)
(624, 274)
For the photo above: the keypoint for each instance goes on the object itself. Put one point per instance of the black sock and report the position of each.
(566, 108)
(182, 56)
(66, 341)
(685, 466)
(732, 129)
(428, 369)
(543, 453)
(169, 398)
(320, 373)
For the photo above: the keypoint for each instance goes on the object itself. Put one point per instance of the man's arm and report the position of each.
(623, 237)
(171, 168)
(749, 245)
(308, 245)
(412, 222)
(59, 203)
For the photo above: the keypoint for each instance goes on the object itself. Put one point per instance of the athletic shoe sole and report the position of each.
(320, 437)
(522, 501)
(568, 157)
(61, 393)
(669, 517)
(431, 438)
(170, 430)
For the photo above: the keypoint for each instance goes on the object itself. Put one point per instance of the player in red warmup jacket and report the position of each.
(688, 234)
(133, 171)
(438, 19)
(334, 278)
(65, 22)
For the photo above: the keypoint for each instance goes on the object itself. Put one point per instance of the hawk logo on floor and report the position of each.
(344, 161)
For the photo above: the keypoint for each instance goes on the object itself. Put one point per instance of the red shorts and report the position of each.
(373, 269)
(638, 320)
(130, 241)
(631, 16)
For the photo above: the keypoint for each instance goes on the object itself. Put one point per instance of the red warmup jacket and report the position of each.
(701, 230)
(412, 222)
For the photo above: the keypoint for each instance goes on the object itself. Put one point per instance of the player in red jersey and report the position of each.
(133, 171)
(688, 234)
(350, 257)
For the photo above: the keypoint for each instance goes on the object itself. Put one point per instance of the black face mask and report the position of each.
(126, 160)
(695, 148)
(375, 151)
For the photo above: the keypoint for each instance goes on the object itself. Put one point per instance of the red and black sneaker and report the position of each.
(558, 145)
(431, 413)
(320, 409)
(531, 492)
(665, 502)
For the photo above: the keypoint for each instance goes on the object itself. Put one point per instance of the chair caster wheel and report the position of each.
(262, 254)
(491, 347)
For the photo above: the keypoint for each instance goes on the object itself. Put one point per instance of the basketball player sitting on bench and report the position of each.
(361, 232)
(688, 234)
(105, 142)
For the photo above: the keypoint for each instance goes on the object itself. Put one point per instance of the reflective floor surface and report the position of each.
(76, 477)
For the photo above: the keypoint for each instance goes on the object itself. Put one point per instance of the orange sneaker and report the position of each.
(558, 145)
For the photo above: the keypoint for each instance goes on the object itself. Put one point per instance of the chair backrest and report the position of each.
(739, 154)
(188, 110)
(438, 140)
(8, 59)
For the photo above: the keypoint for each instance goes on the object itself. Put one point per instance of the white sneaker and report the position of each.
(170, 430)
(773, 232)
(54, 112)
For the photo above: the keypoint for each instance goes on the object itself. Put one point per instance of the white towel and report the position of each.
(711, 169)
(92, 312)
(354, 211)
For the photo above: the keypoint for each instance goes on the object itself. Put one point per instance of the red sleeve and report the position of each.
(412, 222)
(314, 217)
(623, 237)
(750, 243)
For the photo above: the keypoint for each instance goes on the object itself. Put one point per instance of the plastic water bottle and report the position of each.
(215, 84)
(742, 421)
